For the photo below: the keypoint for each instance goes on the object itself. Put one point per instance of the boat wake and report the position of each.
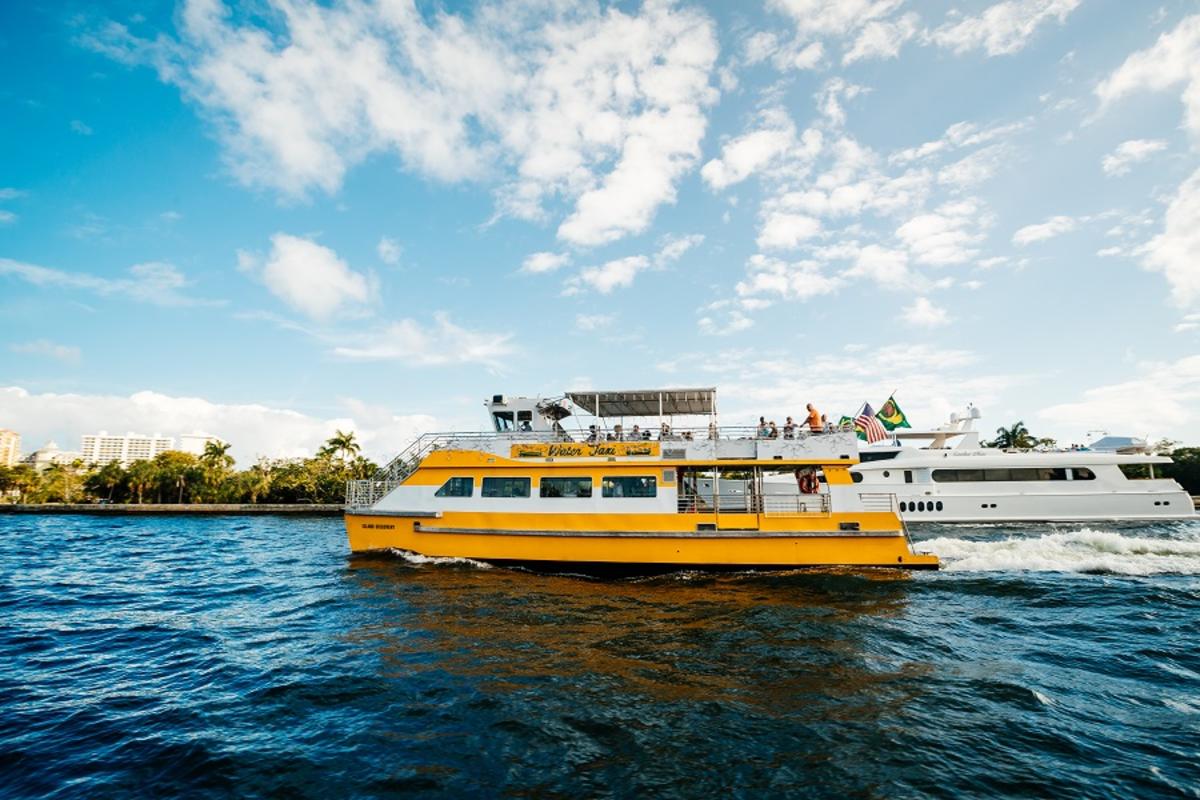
(441, 561)
(1085, 551)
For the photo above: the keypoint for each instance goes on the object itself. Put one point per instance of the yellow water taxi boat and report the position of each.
(530, 492)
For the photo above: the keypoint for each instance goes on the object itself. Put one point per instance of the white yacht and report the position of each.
(947, 475)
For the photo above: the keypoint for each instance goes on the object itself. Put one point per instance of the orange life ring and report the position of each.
(809, 484)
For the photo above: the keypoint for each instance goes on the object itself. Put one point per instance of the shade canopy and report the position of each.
(646, 403)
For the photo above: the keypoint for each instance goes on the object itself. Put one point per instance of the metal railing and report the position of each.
(879, 501)
(777, 505)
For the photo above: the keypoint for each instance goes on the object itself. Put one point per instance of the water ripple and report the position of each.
(255, 657)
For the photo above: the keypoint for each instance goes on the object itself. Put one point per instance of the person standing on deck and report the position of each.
(814, 419)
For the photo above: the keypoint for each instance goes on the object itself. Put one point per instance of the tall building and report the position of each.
(195, 442)
(101, 448)
(10, 447)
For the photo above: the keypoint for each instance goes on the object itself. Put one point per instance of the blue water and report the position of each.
(247, 657)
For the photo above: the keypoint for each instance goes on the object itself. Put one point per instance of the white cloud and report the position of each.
(735, 321)
(309, 277)
(602, 108)
(7, 217)
(545, 262)
(675, 247)
(389, 251)
(833, 17)
(1003, 28)
(1172, 60)
(619, 272)
(925, 314)
(81, 128)
(1190, 322)
(783, 231)
(152, 282)
(9, 193)
(752, 152)
(1162, 397)
(1176, 251)
(593, 322)
(1055, 226)
(48, 349)
(791, 280)
(887, 268)
(882, 38)
(414, 344)
(254, 430)
(946, 236)
(1119, 161)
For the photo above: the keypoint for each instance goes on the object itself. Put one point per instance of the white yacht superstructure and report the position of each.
(946, 475)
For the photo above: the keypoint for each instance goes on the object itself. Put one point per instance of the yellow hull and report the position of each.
(743, 540)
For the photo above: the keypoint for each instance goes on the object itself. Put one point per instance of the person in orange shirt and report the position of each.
(814, 419)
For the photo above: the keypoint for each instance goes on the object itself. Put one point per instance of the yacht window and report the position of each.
(566, 487)
(524, 416)
(630, 486)
(1134, 472)
(908, 476)
(1082, 474)
(456, 487)
(506, 487)
(504, 420)
(1019, 474)
(856, 477)
(939, 505)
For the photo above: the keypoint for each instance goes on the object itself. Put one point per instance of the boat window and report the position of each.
(1135, 472)
(1018, 474)
(506, 487)
(623, 486)
(856, 477)
(504, 420)
(456, 487)
(1082, 474)
(908, 476)
(566, 487)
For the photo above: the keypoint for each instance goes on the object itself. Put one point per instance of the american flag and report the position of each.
(866, 422)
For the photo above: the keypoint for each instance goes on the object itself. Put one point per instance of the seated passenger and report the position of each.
(636, 434)
(593, 434)
(665, 431)
(789, 429)
(618, 433)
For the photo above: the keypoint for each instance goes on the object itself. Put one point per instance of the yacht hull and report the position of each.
(742, 541)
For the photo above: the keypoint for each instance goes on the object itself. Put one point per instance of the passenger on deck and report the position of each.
(814, 419)
(636, 433)
(664, 432)
(762, 427)
(789, 429)
(618, 433)
(773, 433)
(713, 433)
(525, 426)
(593, 434)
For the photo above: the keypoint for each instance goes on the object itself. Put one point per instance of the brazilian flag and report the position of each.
(890, 415)
(846, 423)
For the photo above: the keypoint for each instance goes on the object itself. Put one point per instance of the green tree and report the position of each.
(342, 445)
(1186, 469)
(1016, 437)
(175, 471)
(105, 480)
(142, 476)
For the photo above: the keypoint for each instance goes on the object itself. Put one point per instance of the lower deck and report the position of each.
(740, 541)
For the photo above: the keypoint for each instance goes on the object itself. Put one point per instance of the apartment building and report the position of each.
(10, 447)
(102, 448)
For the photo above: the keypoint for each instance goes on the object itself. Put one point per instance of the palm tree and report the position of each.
(141, 477)
(1016, 437)
(342, 444)
(216, 455)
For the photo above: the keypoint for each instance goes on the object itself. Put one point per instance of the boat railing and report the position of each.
(772, 505)
(885, 501)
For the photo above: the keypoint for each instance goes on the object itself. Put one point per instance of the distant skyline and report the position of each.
(273, 220)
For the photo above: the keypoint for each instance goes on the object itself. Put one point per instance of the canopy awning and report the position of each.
(647, 403)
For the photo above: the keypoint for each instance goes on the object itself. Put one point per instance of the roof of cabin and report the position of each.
(647, 402)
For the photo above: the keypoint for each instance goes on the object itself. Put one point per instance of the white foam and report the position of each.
(1085, 550)
(417, 558)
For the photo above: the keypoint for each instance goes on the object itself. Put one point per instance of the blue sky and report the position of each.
(269, 220)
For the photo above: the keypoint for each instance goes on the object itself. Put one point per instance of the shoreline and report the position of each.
(249, 509)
